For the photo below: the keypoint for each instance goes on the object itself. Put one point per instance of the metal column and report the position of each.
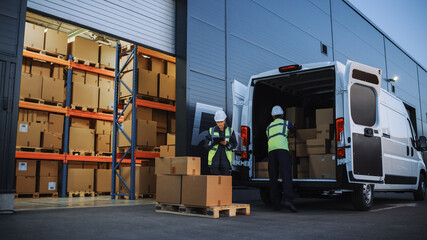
(116, 124)
(67, 127)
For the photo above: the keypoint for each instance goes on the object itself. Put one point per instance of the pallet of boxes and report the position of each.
(182, 190)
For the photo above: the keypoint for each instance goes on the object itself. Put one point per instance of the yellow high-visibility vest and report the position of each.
(277, 134)
(212, 152)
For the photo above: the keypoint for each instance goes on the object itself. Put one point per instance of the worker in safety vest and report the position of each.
(280, 160)
(220, 142)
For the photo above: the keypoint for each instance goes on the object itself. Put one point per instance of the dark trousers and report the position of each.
(280, 160)
(219, 171)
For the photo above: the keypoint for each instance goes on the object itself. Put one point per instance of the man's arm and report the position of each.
(232, 144)
(208, 144)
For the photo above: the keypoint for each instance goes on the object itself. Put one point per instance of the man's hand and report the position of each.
(223, 143)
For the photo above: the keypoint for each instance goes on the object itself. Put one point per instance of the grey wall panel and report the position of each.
(261, 27)
(210, 12)
(322, 4)
(400, 59)
(422, 77)
(151, 23)
(9, 22)
(206, 49)
(207, 90)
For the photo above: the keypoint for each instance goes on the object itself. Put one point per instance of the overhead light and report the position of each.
(394, 79)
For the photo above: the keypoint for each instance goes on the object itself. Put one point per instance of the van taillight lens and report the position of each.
(340, 133)
(290, 68)
(245, 134)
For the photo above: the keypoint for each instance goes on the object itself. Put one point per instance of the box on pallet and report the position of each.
(80, 122)
(106, 82)
(173, 125)
(34, 36)
(107, 56)
(146, 135)
(79, 76)
(147, 83)
(170, 139)
(31, 86)
(171, 69)
(103, 127)
(161, 117)
(52, 140)
(40, 68)
(53, 89)
(28, 134)
(103, 143)
(56, 123)
(55, 41)
(167, 151)
(168, 189)
(25, 167)
(80, 180)
(143, 63)
(161, 139)
(167, 87)
(84, 49)
(206, 190)
(158, 65)
(58, 72)
(48, 184)
(91, 79)
(90, 165)
(142, 113)
(48, 168)
(178, 165)
(145, 179)
(82, 139)
(103, 181)
(85, 95)
(75, 164)
(26, 65)
(322, 166)
(106, 99)
(25, 184)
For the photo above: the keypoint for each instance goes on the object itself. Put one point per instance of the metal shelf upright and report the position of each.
(133, 53)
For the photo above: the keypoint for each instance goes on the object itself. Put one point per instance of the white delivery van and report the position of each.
(374, 146)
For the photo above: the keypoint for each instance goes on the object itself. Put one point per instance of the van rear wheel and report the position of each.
(363, 197)
(420, 193)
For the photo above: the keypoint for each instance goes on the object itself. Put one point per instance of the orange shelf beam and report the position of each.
(139, 154)
(97, 159)
(152, 53)
(92, 69)
(156, 105)
(42, 107)
(86, 114)
(45, 58)
(44, 156)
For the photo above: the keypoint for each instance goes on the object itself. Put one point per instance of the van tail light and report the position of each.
(340, 137)
(245, 134)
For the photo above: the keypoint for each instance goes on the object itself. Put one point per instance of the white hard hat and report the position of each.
(277, 110)
(220, 116)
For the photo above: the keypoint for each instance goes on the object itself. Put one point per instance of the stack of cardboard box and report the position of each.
(146, 128)
(179, 182)
(48, 177)
(39, 38)
(85, 89)
(31, 178)
(52, 138)
(106, 93)
(25, 176)
(103, 131)
(145, 179)
(83, 49)
(82, 136)
(80, 180)
(107, 56)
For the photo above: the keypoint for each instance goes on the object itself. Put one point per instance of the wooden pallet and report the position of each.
(26, 195)
(82, 152)
(37, 149)
(137, 149)
(85, 62)
(48, 195)
(138, 196)
(210, 212)
(107, 67)
(44, 52)
(41, 101)
(107, 111)
(84, 108)
(81, 194)
(126, 99)
(104, 154)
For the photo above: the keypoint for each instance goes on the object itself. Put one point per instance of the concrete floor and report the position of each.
(394, 216)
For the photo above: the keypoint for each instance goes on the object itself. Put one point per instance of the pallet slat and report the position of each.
(210, 212)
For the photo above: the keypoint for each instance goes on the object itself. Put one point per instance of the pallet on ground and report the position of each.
(48, 195)
(81, 194)
(138, 196)
(84, 108)
(210, 212)
(41, 101)
(26, 195)
(37, 149)
(103, 193)
(86, 62)
(82, 152)
(44, 52)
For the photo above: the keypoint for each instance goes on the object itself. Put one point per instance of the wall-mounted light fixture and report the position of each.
(394, 79)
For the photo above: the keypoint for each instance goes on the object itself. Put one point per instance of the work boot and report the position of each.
(277, 208)
(289, 205)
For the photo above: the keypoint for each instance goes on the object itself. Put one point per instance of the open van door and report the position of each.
(362, 125)
(239, 93)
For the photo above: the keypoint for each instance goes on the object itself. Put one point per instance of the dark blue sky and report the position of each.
(404, 21)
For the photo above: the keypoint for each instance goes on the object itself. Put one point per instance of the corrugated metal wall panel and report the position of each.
(151, 23)
(322, 4)
(9, 22)
(210, 12)
(422, 77)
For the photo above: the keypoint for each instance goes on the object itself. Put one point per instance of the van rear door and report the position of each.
(361, 120)
(239, 94)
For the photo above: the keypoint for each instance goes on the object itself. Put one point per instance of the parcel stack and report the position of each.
(36, 177)
(179, 182)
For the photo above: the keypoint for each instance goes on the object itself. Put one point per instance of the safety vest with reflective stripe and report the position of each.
(212, 152)
(277, 134)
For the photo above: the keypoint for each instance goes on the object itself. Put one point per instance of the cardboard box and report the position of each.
(301, 150)
(147, 82)
(171, 69)
(172, 125)
(170, 139)
(58, 72)
(80, 180)
(75, 164)
(107, 56)
(161, 139)
(48, 184)
(48, 168)
(206, 190)
(167, 87)
(103, 127)
(103, 181)
(185, 166)
(56, 123)
(106, 82)
(103, 143)
(303, 168)
(104, 165)
(163, 165)
(22, 115)
(161, 118)
(143, 63)
(31, 86)
(324, 116)
(322, 166)
(296, 116)
(91, 79)
(26, 65)
(90, 165)
(25, 167)
(324, 131)
(25, 184)
(42, 116)
(84, 49)
(52, 140)
(146, 133)
(261, 170)
(28, 134)
(145, 180)
(79, 76)
(82, 139)
(40, 68)
(168, 189)
(34, 36)
(142, 113)
(55, 41)
(106, 99)
(80, 122)
(158, 65)
(333, 147)
(85, 95)
(318, 146)
(302, 135)
(167, 151)
(53, 89)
